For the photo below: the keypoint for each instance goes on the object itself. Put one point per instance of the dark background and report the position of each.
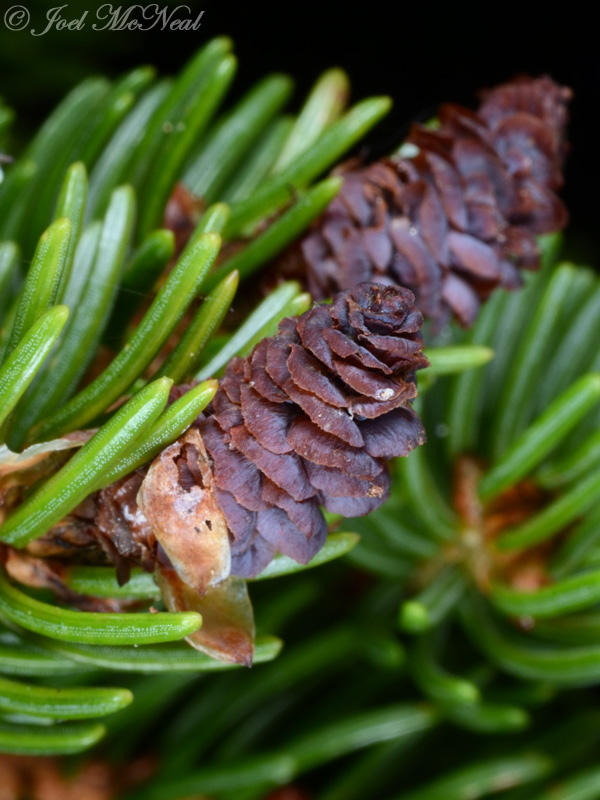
(419, 54)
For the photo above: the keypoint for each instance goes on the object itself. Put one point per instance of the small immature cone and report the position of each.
(310, 419)
(458, 218)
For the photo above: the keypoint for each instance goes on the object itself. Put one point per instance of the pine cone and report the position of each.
(309, 419)
(460, 217)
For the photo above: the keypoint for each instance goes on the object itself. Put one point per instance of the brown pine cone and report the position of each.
(309, 419)
(458, 218)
